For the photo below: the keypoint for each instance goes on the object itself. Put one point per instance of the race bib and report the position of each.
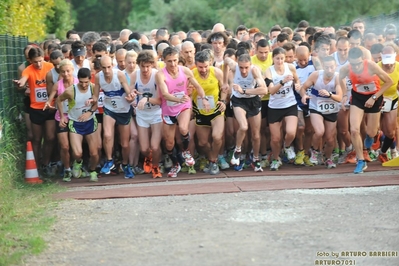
(200, 103)
(327, 106)
(387, 107)
(101, 99)
(283, 92)
(65, 106)
(366, 88)
(178, 95)
(41, 95)
(115, 103)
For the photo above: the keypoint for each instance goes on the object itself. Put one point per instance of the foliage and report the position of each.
(59, 19)
(23, 217)
(29, 18)
(203, 14)
(101, 15)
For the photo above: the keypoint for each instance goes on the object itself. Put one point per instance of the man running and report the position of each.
(366, 99)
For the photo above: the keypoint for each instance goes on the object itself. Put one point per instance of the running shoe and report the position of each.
(168, 162)
(156, 172)
(174, 171)
(207, 168)
(300, 155)
(93, 176)
(222, 163)
(202, 163)
(290, 153)
(235, 160)
(137, 170)
(275, 165)
(147, 166)
(67, 176)
(314, 157)
(394, 153)
(191, 170)
(383, 157)
(214, 169)
(351, 158)
(377, 141)
(368, 142)
(257, 166)
(306, 160)
(330, 163)
(128, 172)
(188, 158)
(366, 156)
(77, 169)
(108, 167)
(240, 166)
(342, 157)
(360, 167)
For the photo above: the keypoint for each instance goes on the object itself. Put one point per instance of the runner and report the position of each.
(282, 106)
(366, 99)
(117, 111)
(148, 112)
(248, 85)
(79, 57)
(82, 122)
(323, 105)
(209, 125)
(35, 76)
(176, 105)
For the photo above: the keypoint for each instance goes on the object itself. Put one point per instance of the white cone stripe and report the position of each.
(30, 156)
(31, 173)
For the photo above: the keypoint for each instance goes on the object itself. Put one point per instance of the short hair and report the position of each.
(202, 57)
(99, 47)
(161, 41)
(241, 28)
(297, 38)
(105, 34)
(70, 32)
(289, 46)
(376, 48)
(77, 45)
(240, 52)
(277, 51)
(323, 39)
(205, 46)
(65, 62)
(328, 58)
(244, 58)
(307, 45)
(135, 35)
(343, 39)
(358, 20)
(131, 46)
(170, 51)
(275, 28)
(244, 45)
(355, 34)
(131, 53)
(370, 36)
(161, 32)
(303, 24)
(310, 31)
(232, 44)
(229, 52)
(84, 73)
(355, 53)
(341, 33)
(282, 37)
(262, 43)
(35, 52)
(287, 30)
(260, 34)
(66, 48)
(91, 37)
(56, 54)
(145, 56)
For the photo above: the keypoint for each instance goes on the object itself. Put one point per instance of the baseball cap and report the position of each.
(79, 51)
(388, 58)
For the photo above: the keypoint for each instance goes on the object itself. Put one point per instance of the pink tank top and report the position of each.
(178, 88)
(60, 90)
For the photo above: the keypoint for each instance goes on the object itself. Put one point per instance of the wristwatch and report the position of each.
(374, 97)
(244, 91)
(281, 82)
(91, 111)
(330, 94)
(205, 98)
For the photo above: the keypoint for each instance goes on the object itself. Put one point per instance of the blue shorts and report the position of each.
(120, 118)
(83, 128)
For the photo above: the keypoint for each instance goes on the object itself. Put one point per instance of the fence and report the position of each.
(11, 56)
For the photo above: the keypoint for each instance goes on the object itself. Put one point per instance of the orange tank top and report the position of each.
(363, 83)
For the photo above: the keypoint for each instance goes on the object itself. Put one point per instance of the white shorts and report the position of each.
(144, 119)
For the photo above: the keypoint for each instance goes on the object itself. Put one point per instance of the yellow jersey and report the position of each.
(392, 92)
(263, 65)
(211, 89)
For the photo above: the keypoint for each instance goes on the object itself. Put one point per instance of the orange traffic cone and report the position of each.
(31, 174)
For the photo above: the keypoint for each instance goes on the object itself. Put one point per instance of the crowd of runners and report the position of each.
(207, 100)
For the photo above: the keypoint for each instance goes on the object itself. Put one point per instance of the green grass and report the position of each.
(25, 210)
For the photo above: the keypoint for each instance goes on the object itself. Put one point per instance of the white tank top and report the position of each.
(147, 89)
(246, 83)
(86, 64)
(324, 105)
(304, 72)
(114, 94)
(55, 75)
(284, 97)
(77, 106)
(348, 82)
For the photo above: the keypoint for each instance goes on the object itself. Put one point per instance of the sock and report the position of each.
(172, 157)
(255, 158)
(393, 145)
(237, 152)
(68, 169)
(186, 141)
(387, 143)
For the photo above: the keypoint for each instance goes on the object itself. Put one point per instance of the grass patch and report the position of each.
(24, 208)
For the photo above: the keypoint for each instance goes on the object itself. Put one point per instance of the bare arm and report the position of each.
(194, 82)
(123, 81)
(228, 64)
(308, 83)
(49, 82)
(51, 96)
(219, 77)
(161, 85)
(275, 88)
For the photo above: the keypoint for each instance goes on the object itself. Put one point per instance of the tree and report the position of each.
(59, 19)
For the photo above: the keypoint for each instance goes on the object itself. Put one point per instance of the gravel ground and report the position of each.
(289, 227)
